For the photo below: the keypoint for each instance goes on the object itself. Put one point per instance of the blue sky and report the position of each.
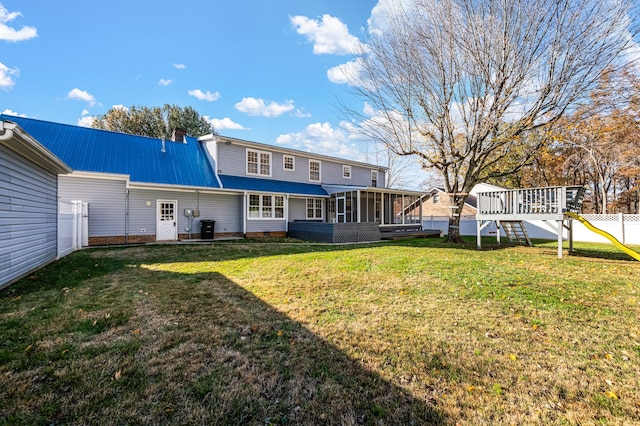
(266, 71)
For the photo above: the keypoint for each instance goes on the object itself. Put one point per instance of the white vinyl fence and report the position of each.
(72, 226)
(625, 227)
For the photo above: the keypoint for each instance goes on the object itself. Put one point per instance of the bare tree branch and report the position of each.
(458, 83)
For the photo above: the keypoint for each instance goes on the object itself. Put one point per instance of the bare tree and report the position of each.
(458, 83)
(398, 167)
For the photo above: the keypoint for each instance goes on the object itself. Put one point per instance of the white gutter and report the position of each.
(30, 148)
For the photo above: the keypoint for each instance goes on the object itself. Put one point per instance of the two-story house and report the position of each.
(141, 189)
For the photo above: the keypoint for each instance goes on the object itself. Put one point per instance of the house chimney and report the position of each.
(178, 134)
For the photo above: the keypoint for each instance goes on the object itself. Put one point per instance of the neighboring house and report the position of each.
(28, 203)
(436, 202)
(141, 189)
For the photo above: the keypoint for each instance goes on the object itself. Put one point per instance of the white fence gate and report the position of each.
(625, 227)
(73, 225)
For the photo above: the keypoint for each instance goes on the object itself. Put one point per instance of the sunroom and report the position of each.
(352, 213)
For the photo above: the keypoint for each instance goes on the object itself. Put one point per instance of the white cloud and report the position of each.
(301, 113)
(179, 66)
(224, 124)
(85, 112)
(378, 22)
(120, 107)
(85, 121)
(6, 76)
(165, 82)
(200, 95)
(257, 106)
(347, 73)
(328, 35)
(82, 95)
(11, 34)
(322, 138)
(10, 112)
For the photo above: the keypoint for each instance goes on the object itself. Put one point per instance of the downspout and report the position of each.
(126, 216)
(7, 133)
(358, 206)
(244, 214)
(286, 214)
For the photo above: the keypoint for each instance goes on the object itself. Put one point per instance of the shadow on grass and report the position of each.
(589, 250)
(204, 351)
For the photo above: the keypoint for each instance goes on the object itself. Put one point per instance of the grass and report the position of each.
(410, 332)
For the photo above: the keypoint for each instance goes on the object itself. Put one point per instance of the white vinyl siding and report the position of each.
(225, 209)
(107, 202)
(28, 216)
(232, 159)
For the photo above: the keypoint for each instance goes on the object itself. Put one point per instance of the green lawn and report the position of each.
(410, 332)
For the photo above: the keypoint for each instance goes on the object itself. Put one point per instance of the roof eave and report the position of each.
(264, 146)
(31, 148)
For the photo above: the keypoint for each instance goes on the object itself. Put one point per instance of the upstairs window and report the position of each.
(346, 172)
(314, 171)
(252, 162)
(374, 178)
(436, 199)
(258, 163)
(289, 162)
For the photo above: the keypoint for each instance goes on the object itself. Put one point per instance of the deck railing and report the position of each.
(554, 200)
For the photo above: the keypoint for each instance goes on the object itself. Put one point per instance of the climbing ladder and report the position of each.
(575, 196)
(516, 232)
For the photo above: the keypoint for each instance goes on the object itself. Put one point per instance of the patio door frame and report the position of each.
(166, 221)
(341, 200)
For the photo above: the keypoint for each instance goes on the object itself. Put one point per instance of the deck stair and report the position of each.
(575, 196)
(516, 232)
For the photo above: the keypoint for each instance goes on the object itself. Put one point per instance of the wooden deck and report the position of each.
(407, 230)
(356, 232)
(411, 234)
(550, 203)
(518, 205)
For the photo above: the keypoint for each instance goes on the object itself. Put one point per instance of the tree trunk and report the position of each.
(456, 204)
(604, 195)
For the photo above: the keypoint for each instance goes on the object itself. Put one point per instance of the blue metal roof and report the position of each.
(270, 185)
(140, 157)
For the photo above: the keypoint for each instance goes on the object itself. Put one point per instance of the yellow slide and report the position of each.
(605, 234)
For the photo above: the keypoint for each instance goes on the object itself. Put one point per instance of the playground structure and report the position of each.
(558, 206)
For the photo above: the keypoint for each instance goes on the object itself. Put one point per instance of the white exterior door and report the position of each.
(166, 226)
(341, 209)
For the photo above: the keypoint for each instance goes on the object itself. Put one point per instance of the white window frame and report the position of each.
(319, 170)
(266, 202)
(259, 163)
(346, 171)
(374, 178)
(293, 163)
(436, 198)
(315, 208)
